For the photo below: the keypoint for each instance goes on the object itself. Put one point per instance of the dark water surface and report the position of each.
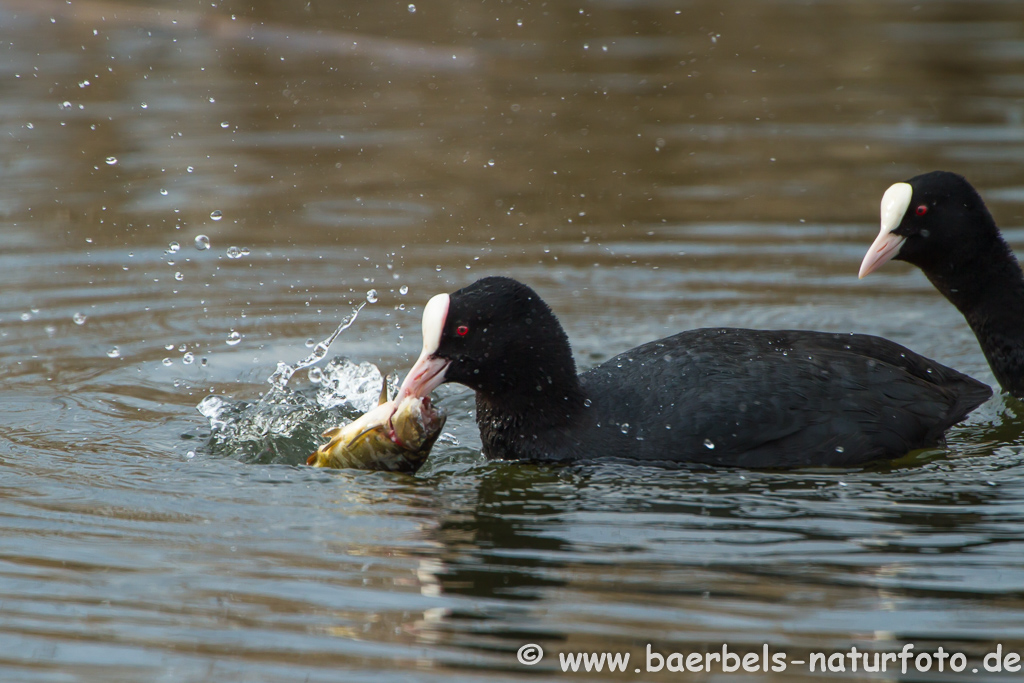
(647, 166)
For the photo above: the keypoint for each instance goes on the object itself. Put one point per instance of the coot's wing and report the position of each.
(774, 399)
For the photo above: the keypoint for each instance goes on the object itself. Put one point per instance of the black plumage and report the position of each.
(752, 398)
(949, 234)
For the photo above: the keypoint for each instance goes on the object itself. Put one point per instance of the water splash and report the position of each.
(284, 372)
(346, 384)
(285, 424)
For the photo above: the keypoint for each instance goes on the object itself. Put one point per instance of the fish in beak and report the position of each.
(395, 436)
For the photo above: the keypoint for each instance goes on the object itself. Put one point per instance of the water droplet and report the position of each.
(202, 242)
(111, 161)
(234, 252)
(320, 350)
(412, 8)
(183, 348)
(587, 403)
(449, 439)
(169, 347)
(519, 22)
(29, 125)
(163, 192)
(371, 296)
(203, 362)
(174, 247)
(114, 353)
(83, 84)
(224, 124)
(65, 105)
(403, 290)
(189, 169)
(840, 449)
(216, 215)
(212, 100)
(190, 455)
(244, 251)
(233, 338)
(316, 375)
(144, 105)
(624, 427)
(310, 343)
(188, 358)
(280, 377)
(26, 316)
(178, 276)
(709, 444)
(167, 361)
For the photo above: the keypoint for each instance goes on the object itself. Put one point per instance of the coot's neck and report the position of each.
(540, 393)
(988, 288)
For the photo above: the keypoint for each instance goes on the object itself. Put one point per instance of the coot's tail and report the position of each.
(961, 392)
(967, 393)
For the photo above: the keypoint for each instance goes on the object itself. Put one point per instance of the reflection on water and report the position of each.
(648, 167)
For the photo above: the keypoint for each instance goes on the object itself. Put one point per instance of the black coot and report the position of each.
(752, 398)
(938, 222)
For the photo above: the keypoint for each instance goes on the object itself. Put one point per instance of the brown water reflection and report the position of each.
(627, 114)
(647, 166)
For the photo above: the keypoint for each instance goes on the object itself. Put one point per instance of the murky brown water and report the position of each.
(647, 166)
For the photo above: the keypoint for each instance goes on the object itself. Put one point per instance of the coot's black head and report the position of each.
(935, 221)
(497, 337)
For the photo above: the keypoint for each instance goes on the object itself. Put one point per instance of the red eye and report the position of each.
(921, 210)
(462, 330)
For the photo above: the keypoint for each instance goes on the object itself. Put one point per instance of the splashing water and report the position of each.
(285, 424)
(284, 371)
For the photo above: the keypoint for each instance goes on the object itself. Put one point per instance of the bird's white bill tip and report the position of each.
(884, 248)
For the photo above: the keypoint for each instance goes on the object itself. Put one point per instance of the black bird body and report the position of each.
(938, 222)
(737, 397)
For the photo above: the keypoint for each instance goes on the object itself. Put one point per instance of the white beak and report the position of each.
(427, 372)
(895, 203)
